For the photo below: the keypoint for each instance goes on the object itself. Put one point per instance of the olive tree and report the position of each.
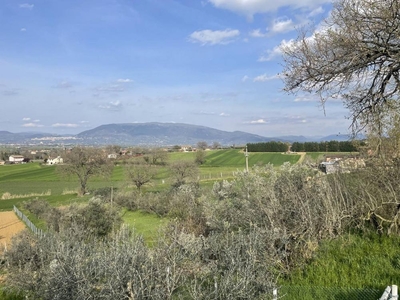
(85, 163)
(355, 56)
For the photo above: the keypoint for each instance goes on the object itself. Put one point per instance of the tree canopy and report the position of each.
(354, 56)
(85, 163)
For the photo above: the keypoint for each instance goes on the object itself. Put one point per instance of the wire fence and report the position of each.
(327, 293)
(28, 222)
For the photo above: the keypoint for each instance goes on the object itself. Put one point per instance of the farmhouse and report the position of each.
(55, 161)
(16, 158)
(112, 155)
(344, 164)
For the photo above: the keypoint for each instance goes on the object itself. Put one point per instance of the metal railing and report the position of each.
(28, 222)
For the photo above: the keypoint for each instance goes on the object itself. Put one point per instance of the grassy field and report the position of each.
(148, 225)
(26, 181)
(350, 267)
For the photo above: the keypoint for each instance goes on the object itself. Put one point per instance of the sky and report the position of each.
(70, 66)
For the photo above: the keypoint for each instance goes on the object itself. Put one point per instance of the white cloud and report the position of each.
(210, 113)
(112, 105)
(32, 125)
(224, 114)
(251, 7)
(276, 51)
(67, 125)
(64, 85)
(113, 88)
(319, 10)
(245, 78)
(282, 26)
(26, 119)
(257, 33)
(265, 77)
(84, 122)
(305, 98)
(259, 121)
(23, 29)
(26, 6)
(126, 80)
(210, 37)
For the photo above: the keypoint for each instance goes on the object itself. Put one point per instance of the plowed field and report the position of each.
(9, 225)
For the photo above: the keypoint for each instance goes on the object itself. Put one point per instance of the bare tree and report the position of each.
(85, 163)
(216, 145)
(355, 56)
(202, 145)
(158, 156)
(183, 171)
(140, 173)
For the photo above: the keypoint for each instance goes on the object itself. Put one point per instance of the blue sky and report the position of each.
(69, 66)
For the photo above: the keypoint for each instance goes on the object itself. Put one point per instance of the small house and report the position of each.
(16, 158)
(55, 161)
(112, 156)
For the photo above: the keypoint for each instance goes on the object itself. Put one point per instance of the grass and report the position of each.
(350, 265)
(34, 178)
(148, 225)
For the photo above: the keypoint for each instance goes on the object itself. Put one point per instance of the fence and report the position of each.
(28, 223)
(328, 293)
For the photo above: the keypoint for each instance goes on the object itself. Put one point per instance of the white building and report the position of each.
(16, 158)
(55, 161)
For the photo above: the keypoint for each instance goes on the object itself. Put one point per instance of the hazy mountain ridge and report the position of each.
(159, 134)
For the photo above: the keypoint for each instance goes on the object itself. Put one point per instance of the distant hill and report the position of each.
(153, 134)
(163, 134)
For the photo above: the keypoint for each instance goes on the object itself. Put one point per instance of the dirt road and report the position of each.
(9, 225)
(302, 156)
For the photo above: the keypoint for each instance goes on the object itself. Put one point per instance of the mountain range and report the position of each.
(152, 134)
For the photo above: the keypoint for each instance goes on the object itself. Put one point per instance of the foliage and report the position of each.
(85, 163)
(328, 146)
(232, 242)
(200, 157)
(202, 145)
(367, 261)
(268, 147)
(182, 172)
(225, 266)
(140, 173)
(354, 56)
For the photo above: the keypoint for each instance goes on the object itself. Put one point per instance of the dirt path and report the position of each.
(302, 157)
(9, 225)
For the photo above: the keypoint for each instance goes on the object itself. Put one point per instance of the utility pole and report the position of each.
(246, 154)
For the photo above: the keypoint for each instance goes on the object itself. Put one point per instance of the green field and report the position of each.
(26, 181)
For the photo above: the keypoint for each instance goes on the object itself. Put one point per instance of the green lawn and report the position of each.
(354, 266)
(148, 225)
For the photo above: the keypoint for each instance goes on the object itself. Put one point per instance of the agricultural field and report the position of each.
(25, 181)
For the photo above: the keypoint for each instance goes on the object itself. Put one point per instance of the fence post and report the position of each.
(395, 294)
(275, 294)
(386, 294)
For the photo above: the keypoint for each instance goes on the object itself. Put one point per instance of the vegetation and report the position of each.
(346, 61)
(85, 163)
(328, 146)
(268, 147)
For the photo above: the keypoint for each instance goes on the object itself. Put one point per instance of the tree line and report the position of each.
(268, 147)
(326, 146)
(329, 146)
